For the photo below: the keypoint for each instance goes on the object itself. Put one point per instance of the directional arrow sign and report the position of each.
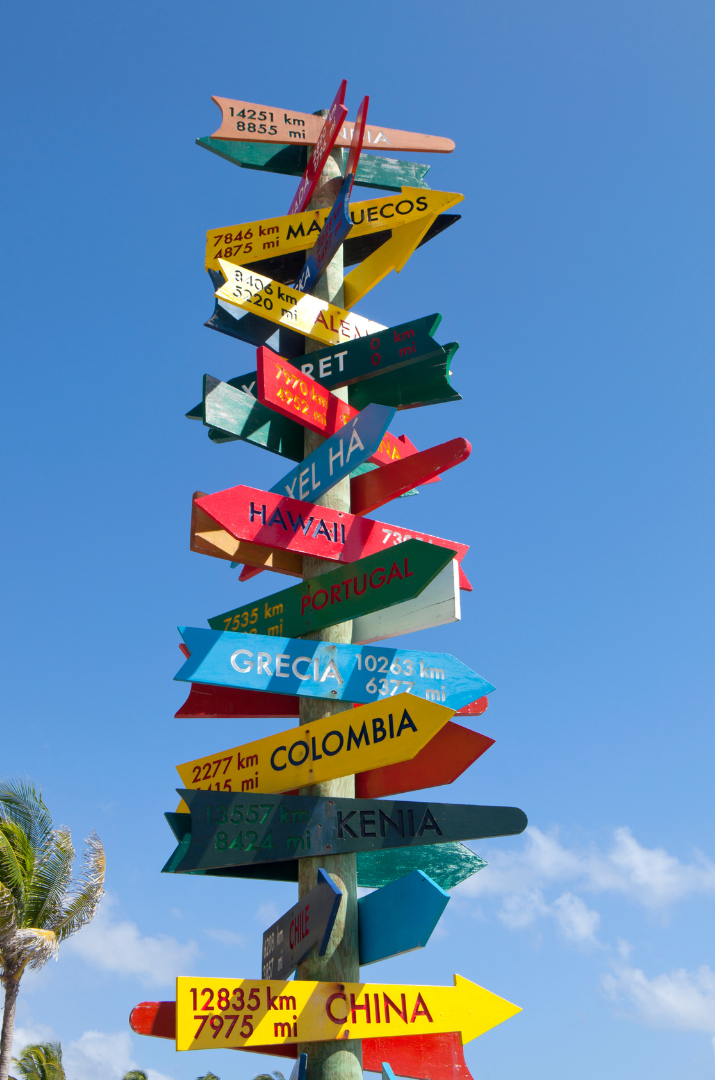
(339, 745)
(388, 174)
(373, 489)
(208, 538)
(392, 255)
(249, 122)
(399, 917)
(336, 458)
(323, 669)
(232, 831)
(308, 924)
(262, 518)
(300, 1069)
(379, 581)
(338, 225)
(318, 1012)
(329, 131)
(283, 388)
(292, 309)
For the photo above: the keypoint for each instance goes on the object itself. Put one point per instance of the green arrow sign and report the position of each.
(230, 830)
(372, 171)
(331, 598)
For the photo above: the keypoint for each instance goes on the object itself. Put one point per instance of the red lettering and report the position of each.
(408, 573)
(316, 605)
(335, 594)
(423, 1011)
(321, 318)
(389, 1004)
(329, 1011)
(355, 1008)
(305, 602)
(394, 573)
(377, 570)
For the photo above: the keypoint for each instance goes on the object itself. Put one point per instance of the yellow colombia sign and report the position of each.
(226, 1013)
(244, 244)
(383, 733)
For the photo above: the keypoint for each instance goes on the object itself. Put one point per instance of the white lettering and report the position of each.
(303, 483)
(324, 366)
(248, 663)
(300, 660)
(334, 456)
(331, 672)
(339, 356)
(264, 664)
(282, 661)
(355, 443)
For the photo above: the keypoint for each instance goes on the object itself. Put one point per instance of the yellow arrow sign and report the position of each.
(392, 255)
(369, 737)
(244, 244)
(288, 307)
(213, 1013)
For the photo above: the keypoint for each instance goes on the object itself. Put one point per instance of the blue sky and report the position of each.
(579, 283)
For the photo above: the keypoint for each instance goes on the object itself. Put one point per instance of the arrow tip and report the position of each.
(480, 1009)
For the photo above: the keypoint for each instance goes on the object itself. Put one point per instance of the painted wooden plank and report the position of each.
(387, 1072)
(300, 1069)
(388, 174)
(226, 833)
(216, 702)
(372, 490)
(399, 917)
(248, 122)
(438, 605)
(339, 745)
(244, 417)
(423, 1057)
(282, 387)
(328, 133)
(326, 670)
(449, 754)
(392, 255)
(366, 586)
(291, 309)
(208, 538)
(355, 1010)
(261, 517)
(306, 926)
(347, 449)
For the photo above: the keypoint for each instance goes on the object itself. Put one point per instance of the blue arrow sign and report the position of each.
(332, 234)
(399, 917)
(300, 1069)
(337, 456)
(322, 669)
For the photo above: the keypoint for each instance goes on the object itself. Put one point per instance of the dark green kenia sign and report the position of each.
(236, 830)
(389, 577)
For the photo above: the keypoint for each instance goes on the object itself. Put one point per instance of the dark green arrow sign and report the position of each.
(378, 581)
(243, 828)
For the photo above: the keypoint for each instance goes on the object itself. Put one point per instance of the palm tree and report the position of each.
(135, 1074)
(40, 1061)
(41, 904)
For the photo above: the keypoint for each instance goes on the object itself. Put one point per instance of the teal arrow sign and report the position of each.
(229, 830)
(399, 917)
(322, 669)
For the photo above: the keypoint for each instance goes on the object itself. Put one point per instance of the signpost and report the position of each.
(322, 669)
(384, 579)
(348, 742)
(399, 917)
(249, 122)
(314, 1011)
(388, 174)
(350, 446)
(295, 527)
(232, 830)
(392, 255)
(308, 924)
(291, 309)
(329, 132)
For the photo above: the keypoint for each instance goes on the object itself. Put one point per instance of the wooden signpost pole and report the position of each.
(341, 960)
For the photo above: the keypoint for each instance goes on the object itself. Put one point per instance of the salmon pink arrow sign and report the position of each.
(268, 520)
(326, 140)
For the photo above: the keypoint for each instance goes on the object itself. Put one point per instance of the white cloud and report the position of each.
(227, 937)
(575, 921)
(681, 1000)
(267, 913)
(118, 946)
(96, 1055)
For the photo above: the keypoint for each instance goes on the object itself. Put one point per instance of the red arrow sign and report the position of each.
(373, 489)
(422, 1057)
(326, 140)
(289, 392)
(272, 521)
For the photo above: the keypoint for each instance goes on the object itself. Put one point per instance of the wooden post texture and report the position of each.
(331, 1060)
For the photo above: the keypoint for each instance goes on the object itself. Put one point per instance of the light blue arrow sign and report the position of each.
(387, 1073)
(332, 234)
(338, 455)
(322, 669)
(399, 917)
(301, 1067)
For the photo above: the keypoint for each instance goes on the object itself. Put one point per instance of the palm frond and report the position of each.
(87, 891)
(22, 803)
(51, 880)
(27, 947)
(40, 1061)
(17, 857)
